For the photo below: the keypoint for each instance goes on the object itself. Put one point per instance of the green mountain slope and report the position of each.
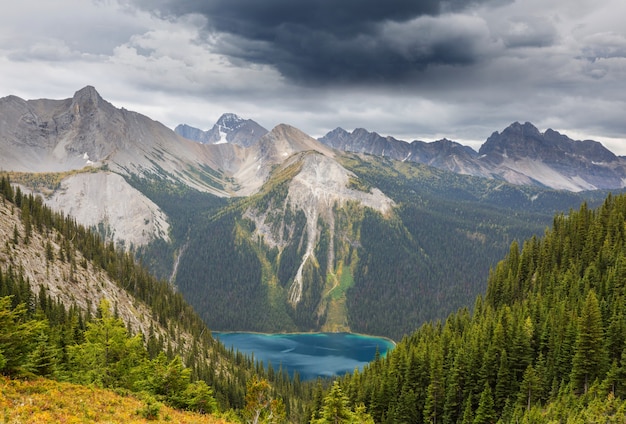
(547, 343)
(382, 272)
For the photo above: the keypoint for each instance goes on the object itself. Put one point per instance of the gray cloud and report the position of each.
(411, 69)
(528, 31)
(338, 42)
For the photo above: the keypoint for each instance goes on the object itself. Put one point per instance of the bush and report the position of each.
(150, 410)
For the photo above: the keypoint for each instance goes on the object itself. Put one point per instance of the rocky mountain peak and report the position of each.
(191, 133)
(88, 100)
(517, 140)
(229, 128)
(87, 94)
(284, 140)
(229, 121)
(338, 132)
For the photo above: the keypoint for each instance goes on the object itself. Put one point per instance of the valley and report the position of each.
(257, 231)
(277, 218)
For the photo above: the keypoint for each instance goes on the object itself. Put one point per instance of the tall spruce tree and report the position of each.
(590, 357)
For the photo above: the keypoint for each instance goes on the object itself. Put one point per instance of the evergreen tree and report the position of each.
(43, 360)
(590, 356)
(433, 409)
(108, 353)
(529, 389)
(336, 408)
(485, 413)
(17, 337)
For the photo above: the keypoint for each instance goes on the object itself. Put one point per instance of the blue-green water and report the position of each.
(312, 355)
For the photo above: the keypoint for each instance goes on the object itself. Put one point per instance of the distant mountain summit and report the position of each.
(520, 154)
(525, 141)
(230, 128)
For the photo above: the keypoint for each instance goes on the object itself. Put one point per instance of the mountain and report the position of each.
(287, 234)
(520, 155)
(523, 155)
(88, 148)
(229, 128)
(363, 244)
(77, 309)
(546, 342)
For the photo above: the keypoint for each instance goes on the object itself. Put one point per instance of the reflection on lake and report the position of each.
(311, 354)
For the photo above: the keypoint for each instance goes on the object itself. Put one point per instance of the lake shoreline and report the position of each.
(297, 333)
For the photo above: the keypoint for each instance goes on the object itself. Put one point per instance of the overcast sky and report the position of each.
(413, 69)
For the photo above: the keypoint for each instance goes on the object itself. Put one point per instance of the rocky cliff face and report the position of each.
(105, 200)
(83, 286)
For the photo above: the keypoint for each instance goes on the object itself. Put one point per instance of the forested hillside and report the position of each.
(387, 274)
(546, 343)
(48, 329)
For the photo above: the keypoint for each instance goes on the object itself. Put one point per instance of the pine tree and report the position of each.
(433, 410)
(43, 359)
(485, 413)
(503, 383)
(17, 336)
(590, 357)
(529, 389)
(336, 409)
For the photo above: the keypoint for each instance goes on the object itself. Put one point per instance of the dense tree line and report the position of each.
(546, 343)
(184, 206)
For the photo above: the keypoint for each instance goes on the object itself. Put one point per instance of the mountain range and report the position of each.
(277, 231)
(520, 154)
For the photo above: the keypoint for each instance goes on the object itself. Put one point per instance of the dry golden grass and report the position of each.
(45, 182)
(46, 401)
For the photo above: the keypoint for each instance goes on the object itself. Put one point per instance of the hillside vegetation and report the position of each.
(75, 309)
(44, 401)
(546, 343)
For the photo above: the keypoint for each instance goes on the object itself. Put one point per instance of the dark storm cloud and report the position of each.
(329, 41)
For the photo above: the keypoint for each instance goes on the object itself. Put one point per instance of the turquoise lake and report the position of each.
(312, 355)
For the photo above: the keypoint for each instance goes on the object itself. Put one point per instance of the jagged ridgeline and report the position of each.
(77, 309)
(546, 343)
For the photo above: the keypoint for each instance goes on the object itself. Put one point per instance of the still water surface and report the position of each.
(312, 355)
